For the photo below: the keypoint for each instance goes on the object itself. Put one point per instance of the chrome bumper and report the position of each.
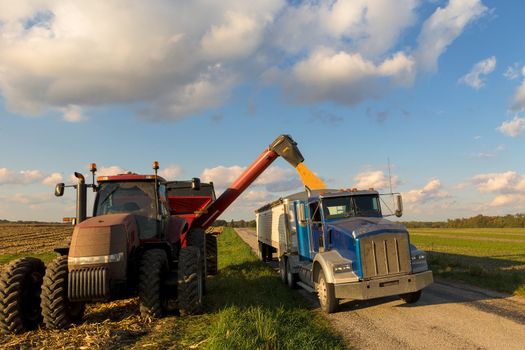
(383, 287)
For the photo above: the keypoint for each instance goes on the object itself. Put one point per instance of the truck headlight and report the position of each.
(418, 257)
(341, 268)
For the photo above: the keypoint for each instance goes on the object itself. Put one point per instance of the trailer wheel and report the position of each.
(190, 281)
(291, 278)
(411, 298)
(153, 298)
(282, 268)
(261, 253)
(57, 310)
(197, 238)
(211, 255)
(326, 293)
(20, 287)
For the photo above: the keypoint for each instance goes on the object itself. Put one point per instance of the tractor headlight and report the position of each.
(90, 260)
(342, 268)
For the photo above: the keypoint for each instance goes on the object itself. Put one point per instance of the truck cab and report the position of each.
(338, 244)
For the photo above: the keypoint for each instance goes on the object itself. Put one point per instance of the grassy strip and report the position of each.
(490, 264)
(46, 257)
(246, 307)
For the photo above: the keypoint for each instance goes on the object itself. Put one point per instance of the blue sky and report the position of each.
(438, 87)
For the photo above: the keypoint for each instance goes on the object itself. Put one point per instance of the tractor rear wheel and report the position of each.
(211, 255)
(57, 310)
(153, 298)
(20, 286)
(197, 238)
(190, 281)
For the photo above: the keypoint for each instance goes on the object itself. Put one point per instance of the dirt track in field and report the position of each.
(448, 316)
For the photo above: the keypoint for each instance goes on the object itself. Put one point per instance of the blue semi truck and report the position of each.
(338, 244)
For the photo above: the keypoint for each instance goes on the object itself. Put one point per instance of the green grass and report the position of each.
(247, 307)
(490, 258)
(46, 257)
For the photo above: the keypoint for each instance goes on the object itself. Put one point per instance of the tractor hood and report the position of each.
(364, 226)
(102, 239)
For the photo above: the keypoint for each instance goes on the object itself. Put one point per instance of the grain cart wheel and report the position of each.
(153, 298)
(211, 255)
(411, 298)
(326, 293)
(190, 281)
(291, 278)
(20, 286)
(282, 269)
(57, 310)
(197, 238)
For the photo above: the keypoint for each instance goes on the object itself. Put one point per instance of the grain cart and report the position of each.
(137, 242)
(337, 243)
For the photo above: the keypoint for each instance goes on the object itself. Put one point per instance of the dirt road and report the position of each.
(448, 316)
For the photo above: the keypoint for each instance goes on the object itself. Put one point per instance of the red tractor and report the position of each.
(146, 237)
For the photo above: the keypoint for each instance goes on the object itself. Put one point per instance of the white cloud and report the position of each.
(375, 179)
(509, 187)
(513, 128)
(473, 78)
(172, 172)
(431, 192)
(73, 114)
(23, 177)
(108, 171)
(512, 71)
(443, 27)
(53, 179)
(518, 101)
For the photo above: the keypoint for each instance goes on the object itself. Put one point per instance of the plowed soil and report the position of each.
(34, 238)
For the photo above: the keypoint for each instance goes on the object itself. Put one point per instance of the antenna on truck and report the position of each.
(389, 174)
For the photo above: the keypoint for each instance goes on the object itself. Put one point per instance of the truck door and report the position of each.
(316, 228)
(303, 230)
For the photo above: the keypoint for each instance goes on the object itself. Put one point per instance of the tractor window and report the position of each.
(137, 198)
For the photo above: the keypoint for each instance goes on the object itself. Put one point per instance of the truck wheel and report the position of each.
(282, 269)
(211, 255)
(197, 238)
(153, 298)
(20, 287)
(411, 298)
(57, 310)
(190, 281)
(291, 278)
(269, 253)
(326, 293)
(262, 251)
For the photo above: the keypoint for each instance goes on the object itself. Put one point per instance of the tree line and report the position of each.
(478, 221)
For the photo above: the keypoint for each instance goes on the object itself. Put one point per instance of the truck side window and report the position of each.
(315, 213)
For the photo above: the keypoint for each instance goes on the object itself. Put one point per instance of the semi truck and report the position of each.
(339, 244)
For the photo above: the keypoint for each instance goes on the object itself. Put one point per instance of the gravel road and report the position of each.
(448, 316)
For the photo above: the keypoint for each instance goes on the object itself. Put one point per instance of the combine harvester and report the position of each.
(337, 243)
(146, 237)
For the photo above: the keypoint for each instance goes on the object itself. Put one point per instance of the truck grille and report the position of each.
(88, 284)
(384, 255)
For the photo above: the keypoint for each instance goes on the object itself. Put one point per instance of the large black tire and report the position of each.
(411, 298)
(211, 255)
(57, 310)
(197, 238)
(190, 281)
(20, 286)
(153, 296)
(326, 294)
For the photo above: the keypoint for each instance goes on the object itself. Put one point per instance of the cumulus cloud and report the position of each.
(170, 59)
(23, 177)
(111, 170)
(432, 191)
(375, 179)
(513, 128)
(172, 172)
(474, 78)
(443, 27)
(509, 187)
(53, 179)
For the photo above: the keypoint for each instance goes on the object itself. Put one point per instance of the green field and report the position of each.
(493, 258)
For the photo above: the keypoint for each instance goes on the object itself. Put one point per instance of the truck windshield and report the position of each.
(136, 198)
(347, 206)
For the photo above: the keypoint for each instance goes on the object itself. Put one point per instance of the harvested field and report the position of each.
(34, 238)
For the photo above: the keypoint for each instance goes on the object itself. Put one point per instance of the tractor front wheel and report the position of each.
(153, 298)
(20, 286)
(211, 255)
(190, 281)
(57, 310)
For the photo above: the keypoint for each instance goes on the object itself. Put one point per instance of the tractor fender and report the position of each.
(326, 262)
(176, 227)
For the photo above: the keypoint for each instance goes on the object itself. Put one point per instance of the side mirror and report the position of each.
(300, 215)
(399, 206)
(59, 190)
(196, 184)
